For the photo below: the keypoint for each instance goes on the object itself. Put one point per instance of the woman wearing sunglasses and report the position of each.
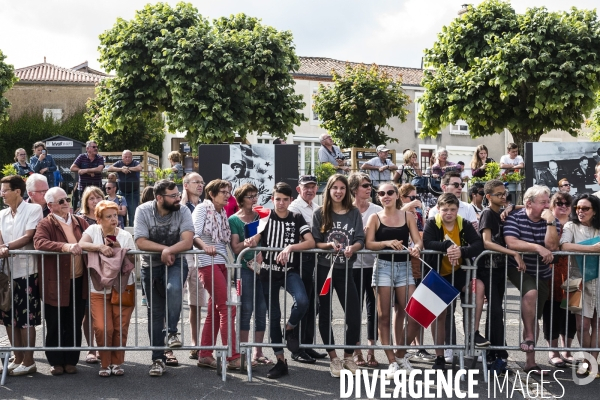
(337, 226)
(585, 225)
(564, 186)
(390, 229)
(554, 317)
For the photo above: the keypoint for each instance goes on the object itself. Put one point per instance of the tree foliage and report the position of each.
(7, 80)
(357, 108)
(213, 80)
(145, 133)
(497, 69)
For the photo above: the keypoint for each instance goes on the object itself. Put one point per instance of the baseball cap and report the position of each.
(382, 147)
(304, 179)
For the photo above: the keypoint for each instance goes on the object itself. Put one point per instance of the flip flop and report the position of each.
(262, 361)
(559, 364)
(567, 360)
(536, 370)
(91, 359)
(528, 344)
(359, 360)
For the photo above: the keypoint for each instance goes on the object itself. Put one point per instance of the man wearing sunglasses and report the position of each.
(533, 229)
(452, 183)
(165, 227)
(305, 205)
(89, 166)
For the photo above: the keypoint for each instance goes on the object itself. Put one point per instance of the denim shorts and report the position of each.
(402, 274)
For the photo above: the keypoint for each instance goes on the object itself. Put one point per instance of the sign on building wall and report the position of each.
(262, 165)
(59, 143)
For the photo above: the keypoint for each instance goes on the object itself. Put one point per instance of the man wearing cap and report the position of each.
(305, 205)
(380, 167)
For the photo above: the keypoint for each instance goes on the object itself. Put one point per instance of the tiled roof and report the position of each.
(321, 67)
(49, 73)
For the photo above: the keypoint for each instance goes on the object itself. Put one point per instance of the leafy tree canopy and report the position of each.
(356, 109)
(497, 69)
(213, 80)
(145, 133)
(7, 80)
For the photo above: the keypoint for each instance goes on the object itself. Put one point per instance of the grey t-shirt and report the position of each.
(164, 230)
(347, 229)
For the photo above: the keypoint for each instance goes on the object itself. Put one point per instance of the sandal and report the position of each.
(527, 346)
(371, 361)
(105, 373)
(193, 354)
(171, 360)
(359, 360)
(557, 364)
(262, 360)
(235, 364)
(207, 362)
(91, 359)
(118, 370)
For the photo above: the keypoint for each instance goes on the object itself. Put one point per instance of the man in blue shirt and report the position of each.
(128, 170)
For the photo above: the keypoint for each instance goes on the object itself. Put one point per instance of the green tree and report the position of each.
(356, 109)
(496, 69)
(7, 80)
(145, 133)
(214, 80)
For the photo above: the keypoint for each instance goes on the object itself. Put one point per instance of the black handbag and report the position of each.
(5, 295)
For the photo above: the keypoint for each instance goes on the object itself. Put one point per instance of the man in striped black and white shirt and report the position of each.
(283, 230)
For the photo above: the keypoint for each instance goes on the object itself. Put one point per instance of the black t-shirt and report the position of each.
(490, 219)
(280, 233)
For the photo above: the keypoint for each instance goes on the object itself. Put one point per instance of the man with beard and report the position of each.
(165, 227)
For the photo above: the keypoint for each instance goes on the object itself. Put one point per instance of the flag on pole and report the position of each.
(257, 226)
(327, 283)
(430, 299)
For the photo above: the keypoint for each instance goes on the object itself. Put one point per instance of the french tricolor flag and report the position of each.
(430, 299)
(327, 284)
(259, 225)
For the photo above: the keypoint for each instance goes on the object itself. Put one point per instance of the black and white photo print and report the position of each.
(558, 165)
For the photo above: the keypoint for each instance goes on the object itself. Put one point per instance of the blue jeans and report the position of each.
(249, 297)
(158, 312)
(295, 287)
(133, 200)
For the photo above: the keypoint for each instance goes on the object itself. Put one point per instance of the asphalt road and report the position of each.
(187, 381)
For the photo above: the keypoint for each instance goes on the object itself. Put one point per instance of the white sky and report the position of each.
(392, 32)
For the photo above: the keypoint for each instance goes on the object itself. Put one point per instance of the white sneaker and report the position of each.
(335, 366)
(350, 365)
(389, 374)
(173, 340)
(403, 363)
(157, 368)
(449, 355)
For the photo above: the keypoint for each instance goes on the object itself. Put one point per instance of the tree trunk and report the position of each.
(521, 137)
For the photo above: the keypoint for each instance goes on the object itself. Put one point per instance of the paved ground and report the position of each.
(190, 382)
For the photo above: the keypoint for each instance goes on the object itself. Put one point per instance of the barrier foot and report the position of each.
(223, 358)
(249, 357)
(243, 360)
(5, 355)
(484, 365)
(461, 360)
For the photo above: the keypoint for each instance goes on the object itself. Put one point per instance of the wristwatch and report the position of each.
(7, 246)
(553, 223)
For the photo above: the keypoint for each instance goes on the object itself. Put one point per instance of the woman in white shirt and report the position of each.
(104, 237)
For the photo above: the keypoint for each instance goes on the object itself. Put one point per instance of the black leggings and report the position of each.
(366, 274)
(343, 285)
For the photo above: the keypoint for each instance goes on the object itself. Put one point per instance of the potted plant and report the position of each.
(492, 171)
(513, 178)
(323, 172)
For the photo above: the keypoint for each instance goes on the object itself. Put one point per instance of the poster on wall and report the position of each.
(262, 165)
(548, 163)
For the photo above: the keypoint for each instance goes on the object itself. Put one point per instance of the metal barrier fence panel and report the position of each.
(273, 297)
(70, 311)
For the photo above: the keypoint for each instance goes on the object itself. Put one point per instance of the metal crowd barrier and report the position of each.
(549, 316)
(461, 350)
(133, 341)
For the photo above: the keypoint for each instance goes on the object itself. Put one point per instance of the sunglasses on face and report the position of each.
(457, 185)
(63, 201)
(583, 208)
(481, 193)
(562, 204)
(412, 198)
(390, 192)
(366, 185)
(566, 184)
